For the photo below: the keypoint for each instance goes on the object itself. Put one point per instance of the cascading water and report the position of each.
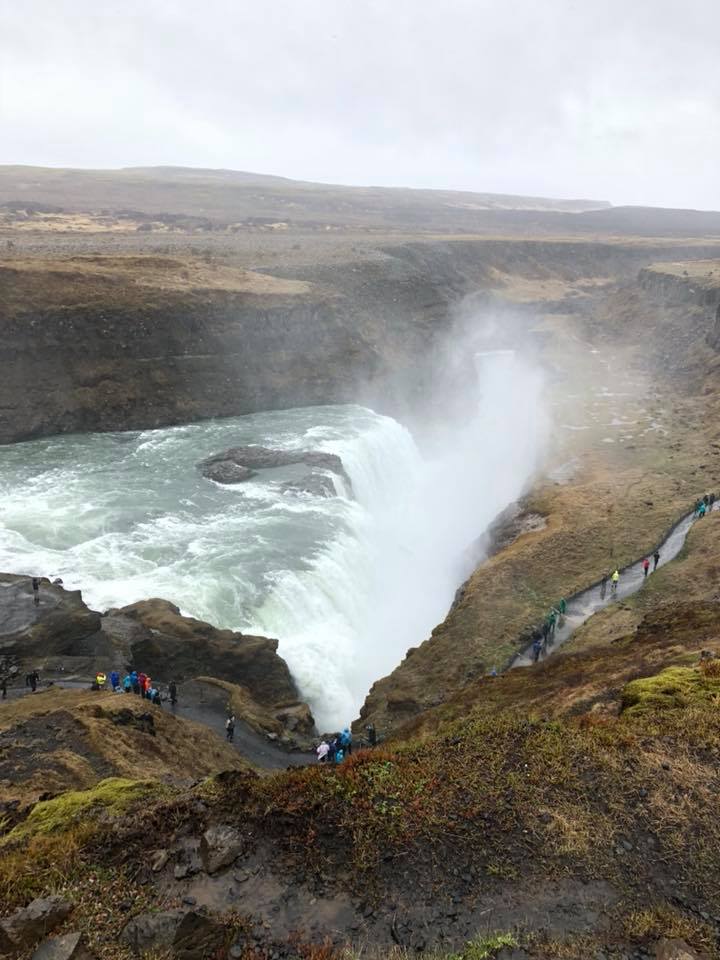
(346, 585)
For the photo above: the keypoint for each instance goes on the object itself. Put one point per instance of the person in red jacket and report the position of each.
(646, 567)
(142, 677)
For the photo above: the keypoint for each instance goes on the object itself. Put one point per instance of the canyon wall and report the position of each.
(113, 343)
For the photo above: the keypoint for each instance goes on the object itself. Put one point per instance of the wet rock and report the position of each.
(675, 950)
(225, 471)
(264, 458)
(188, 935)
(68, 947)
(220, 846)
(317, 484)
(29, 924)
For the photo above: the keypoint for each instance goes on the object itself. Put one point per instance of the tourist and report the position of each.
(36, 591)
(603, 587)
(172, 691)
(142, 677)
(371, 734)
(322, 751)
(346, 741)
(701, 511)
(148, 687)
(646, 567)
(711, 503)
(230, 727)
(339, 755)
(135, 682)
(114, 680)
(127, 683)
(552, 621)
(656, 560)
(3, 687)
(155, 697)
(537, 649)
(562, 610)
(615, 578)
(100, 680)
(698, 504)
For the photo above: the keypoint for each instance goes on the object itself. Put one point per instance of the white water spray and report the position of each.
(374, 593)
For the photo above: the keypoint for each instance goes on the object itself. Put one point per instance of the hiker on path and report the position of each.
(346, 741)
(371, 734)
(656, 560)
(603, 587)
(100, 680)
(562, 610)
(701, 510)
(537, 649)
(114, 680)
(542, 636)
(711, 502)
(322, 751)
(135, 682)
(646, 567)
(230, 727)
(3, 687)
(127, 684)
(142, 677)
(36, 591)
(552, 620)
(172, 690)
(614, 580)
(698, 504)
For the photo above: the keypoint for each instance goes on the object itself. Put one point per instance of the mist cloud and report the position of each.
(610, 100)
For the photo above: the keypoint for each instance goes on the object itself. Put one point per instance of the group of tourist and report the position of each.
(544, 635)
(335, 749)
(138, 683)
(704, 505)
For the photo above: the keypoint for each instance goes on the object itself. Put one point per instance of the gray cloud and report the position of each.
(610, 100)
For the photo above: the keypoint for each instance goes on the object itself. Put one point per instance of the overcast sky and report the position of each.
(606, 99)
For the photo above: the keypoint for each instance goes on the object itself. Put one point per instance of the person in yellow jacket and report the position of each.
(614, 581)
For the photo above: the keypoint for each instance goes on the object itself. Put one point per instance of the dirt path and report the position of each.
(583, 605)
(204, 708)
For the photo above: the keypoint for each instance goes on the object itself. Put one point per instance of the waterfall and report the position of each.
(381, 586)
(346, 585)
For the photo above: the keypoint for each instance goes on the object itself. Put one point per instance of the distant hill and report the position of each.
(227, 196)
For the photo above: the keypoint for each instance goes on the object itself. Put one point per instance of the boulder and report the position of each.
(225, 471)
(175, 647)
(263, 458)
(30, 924)
(675, 950)
(220, 846)
(187, 934)
(317, 484)
(68, 947)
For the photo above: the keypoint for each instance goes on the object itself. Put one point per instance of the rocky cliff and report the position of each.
(123, 342)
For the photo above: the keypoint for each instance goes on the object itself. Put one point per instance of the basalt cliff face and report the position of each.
(125, 342)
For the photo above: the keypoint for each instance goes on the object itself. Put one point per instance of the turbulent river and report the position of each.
(347, 585)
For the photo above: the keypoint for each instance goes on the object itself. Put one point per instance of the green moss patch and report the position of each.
(112, 796)
(672, 688)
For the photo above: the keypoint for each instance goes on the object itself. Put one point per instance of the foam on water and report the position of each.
(346, 585)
